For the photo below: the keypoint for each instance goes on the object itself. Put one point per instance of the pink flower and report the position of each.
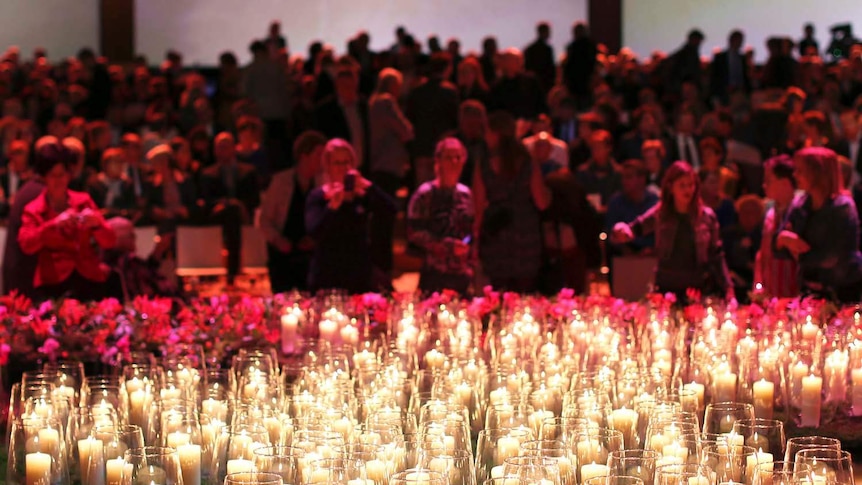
(50, 347)
(5, 349)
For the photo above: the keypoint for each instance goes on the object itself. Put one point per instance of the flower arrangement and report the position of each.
(107, 330)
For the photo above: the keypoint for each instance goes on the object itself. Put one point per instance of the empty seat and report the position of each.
(199, 251)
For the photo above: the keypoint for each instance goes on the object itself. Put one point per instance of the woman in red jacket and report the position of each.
(65, 230)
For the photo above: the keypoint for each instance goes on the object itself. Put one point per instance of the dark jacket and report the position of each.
(539, 59)
(330, 120)
(432, 108)
(214, 190)
(18, 267)
(124, 204)
(720, 75)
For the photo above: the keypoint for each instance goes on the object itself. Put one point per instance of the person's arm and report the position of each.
(104, 235)
(36, 235)
(267, 221)
(718, 262)
(842, 242)
(396, 121)
(645, 223)
(538, 190)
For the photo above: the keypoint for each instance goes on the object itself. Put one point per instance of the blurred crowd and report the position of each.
(507, 164)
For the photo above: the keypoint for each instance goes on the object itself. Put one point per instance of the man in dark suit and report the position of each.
(516, 91)
(729, 71)
(685, 143)
(685, 62)
(231, 194)
(850, 145)
(432, 108)
(19, 268)
(539, 58)
(580, 63)
(345, 114)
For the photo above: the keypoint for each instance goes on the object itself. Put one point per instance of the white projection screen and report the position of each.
(650, 25)
(60, 26)
(202, 29)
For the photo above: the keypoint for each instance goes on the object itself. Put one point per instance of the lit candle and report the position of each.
(349, 335)
(797, 372)
(178, 438)
(856, 380)
(49, 442)
(91, 461)
(115, 471)
(725, 387)
(764, 392)
(625, 421)
(240, 465)
(190, 463)
(151, 475)
(507, 447)
(592, 470)
(810, 331)
(328, 330)
(752, 461)
(698, 391)
(435, 359)
(375, 470)
(37, 468)
(810, 401)
(677, 450)
(835, 374)
(289, 324)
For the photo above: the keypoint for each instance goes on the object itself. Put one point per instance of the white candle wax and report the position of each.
(810, 401)
(328, 330)
(435, 359)
(591, 470)
(49, 442)
(625, 421)
(91, 461)
(114, 471)
(178, 438)
(239, 465)
(856, 381)
(725, 387)
(289, 324)
(190, 463)
(698, 391)
(37, 468)
(764, 393)
(507, 447)
(375, 470)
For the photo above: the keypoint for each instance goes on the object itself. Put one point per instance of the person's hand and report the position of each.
(306, 243)
(622, 233)
(67, 220)
(283, 245)
(459, 248)
(362, 184)
(335, 195)
(793, 243)
(91, 219)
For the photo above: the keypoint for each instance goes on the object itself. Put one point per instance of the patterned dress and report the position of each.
(513, 250)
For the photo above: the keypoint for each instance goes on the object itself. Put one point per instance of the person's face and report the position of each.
(601, 151)
(492, 139)
(346, 85)
(339, 164)
(803, 178)
(184, 156)
(648, 124)
(18, 161)
(775, 188)
(750, 217)
(585, 130)
(850, 126)
(711, 159)
(509, 65)
(114, 168)
(224, 149)
(450, 162)
(126, 239)
(57, 180)
(652, 160)
(632, 183)
(466, 76)
(711, 185)
(472, 126)
(685, 124)
(683, 190)
(248, 137)
(132, 151)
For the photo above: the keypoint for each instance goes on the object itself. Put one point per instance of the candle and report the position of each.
(328, 330)
(240, 465)
(38, 468)
(375, 470)
(289, 324)
(625, 421)
(810, 401)
(698, 391)
(835, 374)
(464, 393)
(725, 387)
(592, 470)
(764, 392)
(151, 475)
(677, 450)
(435, 359)
(420, 478)
(91, 460)
(115, 471)
(178, 438)
(190, 463)
(810, 331)
(856, 380)
(49, 442)
(751, 462)
(343, 426)
(698, 480)
(797, 372)
(507, 447)
(590, 451)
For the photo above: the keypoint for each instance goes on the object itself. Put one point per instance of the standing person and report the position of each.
(687, 241)
(808, 45)
(516, 91)
(18, 266)
(633, 200)
(822, 229)
(432, 108)
(539, 58)
(345, 113)
(230, 193)
(390, 132)
(777, 276)
(729, 70)
(685, 65)
(440, 221)
(282, 215)
(580, 63)
(509, 192)
(337, 218)
(264, 83)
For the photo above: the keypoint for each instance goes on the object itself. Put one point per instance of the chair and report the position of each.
(199, 251)
(145, 241)
(254, 255)
(632, 276)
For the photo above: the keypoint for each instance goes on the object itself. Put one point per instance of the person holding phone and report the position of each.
(63, 228)
(337, 217)
(440, 222)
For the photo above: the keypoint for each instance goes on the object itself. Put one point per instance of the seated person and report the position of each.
(138, 277)
(14, 175)
(80, 173)
(59, 226)
(169, 193)
(250, 150)
(111, 190)
(741, 242)
(230, 193)
(599, 175)
(715, 197)
(628, 204)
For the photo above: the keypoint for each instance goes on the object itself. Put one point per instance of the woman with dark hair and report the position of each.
(170, 193)
(471, 81)
(59, 226)
(112, 190)
(509, 191)
(337, 217)
(821, 230)
(687, 243)
(249, 149)
(776, 275)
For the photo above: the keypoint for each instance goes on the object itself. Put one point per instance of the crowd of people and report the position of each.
(736, 177)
